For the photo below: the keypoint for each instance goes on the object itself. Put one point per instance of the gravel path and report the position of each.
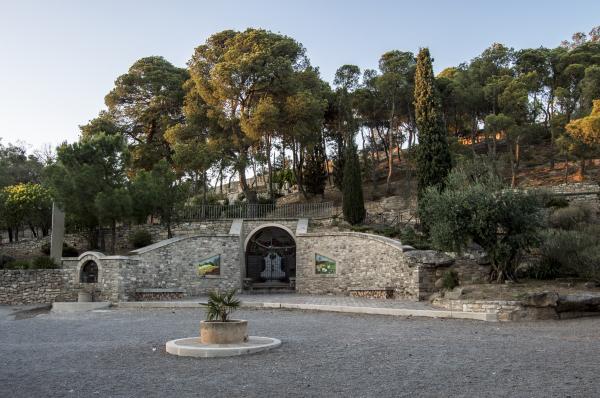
(120, 353)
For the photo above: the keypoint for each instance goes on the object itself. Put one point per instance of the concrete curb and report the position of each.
(480, 316)
(79, 306)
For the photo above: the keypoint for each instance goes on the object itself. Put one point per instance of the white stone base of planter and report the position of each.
(192, 347)
(79, 306)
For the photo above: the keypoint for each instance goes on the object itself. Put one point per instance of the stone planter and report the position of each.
(215, 332)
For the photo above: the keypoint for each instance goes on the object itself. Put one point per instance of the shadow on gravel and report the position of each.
(31, 312)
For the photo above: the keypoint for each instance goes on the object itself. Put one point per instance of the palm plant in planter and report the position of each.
(218, 328)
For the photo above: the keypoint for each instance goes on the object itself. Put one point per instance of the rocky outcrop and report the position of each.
(430, 258)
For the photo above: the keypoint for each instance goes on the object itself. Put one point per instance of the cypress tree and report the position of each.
(353, 202)
(315, 175)
(433, 154)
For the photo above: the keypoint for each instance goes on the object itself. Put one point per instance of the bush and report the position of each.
(18, 264)
(557, 201)
(568, 253)
(43, 262)
(475, 208)
(67, 251)
(449, 280)
(141, 238)
(410, 237)
(569, 217)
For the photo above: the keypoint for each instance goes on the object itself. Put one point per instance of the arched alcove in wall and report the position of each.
(270, 255)
(89, 272)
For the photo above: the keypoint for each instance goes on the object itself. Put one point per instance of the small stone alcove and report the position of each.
(89, 272)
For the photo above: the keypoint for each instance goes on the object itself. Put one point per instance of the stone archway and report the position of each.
(270, 253)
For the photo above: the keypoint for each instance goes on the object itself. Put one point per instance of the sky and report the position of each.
(58, 59)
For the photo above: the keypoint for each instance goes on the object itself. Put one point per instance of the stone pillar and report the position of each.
(58, 233)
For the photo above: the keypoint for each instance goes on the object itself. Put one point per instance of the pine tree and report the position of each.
(353, 202)
(433, 154)
(315, 175)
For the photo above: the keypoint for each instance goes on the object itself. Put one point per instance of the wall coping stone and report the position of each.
(388, 241)
(167, 242)
(159, 290)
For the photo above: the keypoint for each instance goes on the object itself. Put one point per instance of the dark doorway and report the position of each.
(89, 273)
(271, 256)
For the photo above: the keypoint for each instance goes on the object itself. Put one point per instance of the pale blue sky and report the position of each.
(59, 58)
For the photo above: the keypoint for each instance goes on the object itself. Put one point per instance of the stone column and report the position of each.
(58, 233)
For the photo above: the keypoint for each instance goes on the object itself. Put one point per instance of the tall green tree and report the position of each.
(433, 156)
(158, 192)
(234, 72)
(86, 178)
(353, 205)
(144, 103)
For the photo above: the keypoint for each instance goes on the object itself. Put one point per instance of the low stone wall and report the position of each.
(581, 192)
(173, 264)
(504, 309)
(363, 261)
(32, 286)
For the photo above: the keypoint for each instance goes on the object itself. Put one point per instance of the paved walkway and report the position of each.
(328, 303)
(334, 300)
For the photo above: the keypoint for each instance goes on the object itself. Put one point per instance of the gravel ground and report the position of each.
(120, 353)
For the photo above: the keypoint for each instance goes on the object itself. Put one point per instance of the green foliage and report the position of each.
(557, 202)
(450, 280)
(18, 264)
(504, 222)
(315, 175)
(418, 240)
(353, 202)
(158, 192)
(25, 203)
(220, 305)
(433, 156)
(141, 238)
(67, 251)
(89, 178)
(569, 217)
(43, 262)
(564, 253)
(145, 103)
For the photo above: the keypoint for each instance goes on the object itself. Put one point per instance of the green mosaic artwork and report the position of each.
(210, 266)
(324, 265)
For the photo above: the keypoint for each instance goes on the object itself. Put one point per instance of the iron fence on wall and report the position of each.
(260, 211)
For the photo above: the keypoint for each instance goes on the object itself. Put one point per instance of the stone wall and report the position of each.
(581, 192)
(172, 264)
(31, 247)
(32, 286)
(363, 261)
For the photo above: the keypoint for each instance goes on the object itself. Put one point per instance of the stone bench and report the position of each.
(376, 292)
(158, 294)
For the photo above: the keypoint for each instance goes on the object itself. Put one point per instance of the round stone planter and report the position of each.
(215, 332)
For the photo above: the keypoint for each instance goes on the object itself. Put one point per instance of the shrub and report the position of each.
(18, 264)
(141, 238)
(569, 217)
(43, 262)
(568, 253)
(449, 280)
(475, 208)
(557, 201)
(410, 237)
(221, 305)
(67, 251)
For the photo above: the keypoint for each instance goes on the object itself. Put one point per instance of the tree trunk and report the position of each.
(390, 163)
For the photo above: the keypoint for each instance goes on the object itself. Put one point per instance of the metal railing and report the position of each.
(261, 211)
